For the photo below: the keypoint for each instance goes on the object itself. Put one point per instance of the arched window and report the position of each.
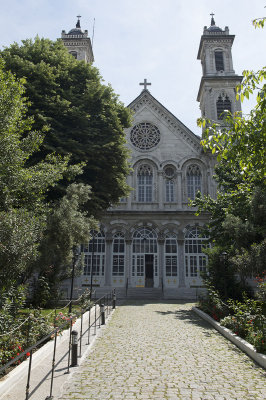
(219, 60)
(118, 255)
(170, 255)
(145, 183)
(169, 191)
(195, 259)
(193, 181)
(169, 173)
(74, 54)
(94, 254)
(223, 104)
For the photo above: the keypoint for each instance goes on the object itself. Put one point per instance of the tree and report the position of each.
(238, 214)
(82, 116)
(22, 187)
(66, 227)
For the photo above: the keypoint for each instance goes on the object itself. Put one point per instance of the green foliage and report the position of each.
(238, 214)
(84, 118)
(66, 226)
(212, 303)
(259, 22)
(247, 321)
(245, 318)
(12, 299)
(22, 187)
(17, 339)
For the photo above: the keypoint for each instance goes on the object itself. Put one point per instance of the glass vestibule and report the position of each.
(94, 258)
(171, 260)
(144, 269)
(195, 259)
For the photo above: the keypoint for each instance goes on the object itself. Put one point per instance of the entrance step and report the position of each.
(144, 293)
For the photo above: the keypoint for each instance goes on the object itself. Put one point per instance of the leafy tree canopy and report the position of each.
(22, 187)
(238, 214)
(82, 116)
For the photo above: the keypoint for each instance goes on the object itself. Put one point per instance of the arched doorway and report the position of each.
(144, 258)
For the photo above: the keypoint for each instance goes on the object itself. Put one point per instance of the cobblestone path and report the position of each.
(163, 351)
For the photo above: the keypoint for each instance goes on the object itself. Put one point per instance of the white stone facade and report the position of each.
(153, 238)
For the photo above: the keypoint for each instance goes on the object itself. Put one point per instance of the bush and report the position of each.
(246, 318)
(212, 304)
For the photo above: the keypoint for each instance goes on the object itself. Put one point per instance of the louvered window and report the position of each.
(219, 61)
(223, 104)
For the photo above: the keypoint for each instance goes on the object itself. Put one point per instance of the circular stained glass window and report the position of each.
(145, 136)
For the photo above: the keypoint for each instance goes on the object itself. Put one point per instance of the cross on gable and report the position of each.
(145, 84)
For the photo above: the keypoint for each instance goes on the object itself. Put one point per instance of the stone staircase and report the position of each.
(144, 293)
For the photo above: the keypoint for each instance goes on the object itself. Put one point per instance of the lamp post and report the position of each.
(223, 259)
(75, 258)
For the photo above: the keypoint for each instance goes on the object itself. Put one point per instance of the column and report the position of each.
(160, 189)
(108, 261)
(161, 260)
(132, 193)
(181, 262)
(179, 189)
(128, 262)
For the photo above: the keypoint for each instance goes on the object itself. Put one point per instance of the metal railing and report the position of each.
(102, 308)
(126, 287)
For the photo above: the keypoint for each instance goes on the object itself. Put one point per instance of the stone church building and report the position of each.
(151, 243)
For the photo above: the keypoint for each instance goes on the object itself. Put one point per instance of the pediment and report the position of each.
(146, 101)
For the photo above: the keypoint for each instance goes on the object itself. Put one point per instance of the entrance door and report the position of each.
(149, 270)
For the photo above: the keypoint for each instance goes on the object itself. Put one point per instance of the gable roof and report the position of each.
(146, 99)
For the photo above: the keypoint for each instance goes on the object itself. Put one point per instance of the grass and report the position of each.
(51, 312)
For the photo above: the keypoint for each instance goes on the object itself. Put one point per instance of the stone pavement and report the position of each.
(163, 351)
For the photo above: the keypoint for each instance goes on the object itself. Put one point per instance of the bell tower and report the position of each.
(78, 43)
(219, 80)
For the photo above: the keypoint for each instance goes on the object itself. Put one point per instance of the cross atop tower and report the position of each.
(212, 20)
(78, 23)
(145, 84)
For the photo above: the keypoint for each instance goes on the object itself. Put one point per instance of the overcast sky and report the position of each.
(153, 39)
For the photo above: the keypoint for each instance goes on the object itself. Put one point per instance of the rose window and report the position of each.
(169, 172)
(145, 136)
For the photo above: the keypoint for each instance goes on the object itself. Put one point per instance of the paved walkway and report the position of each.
(163, 351)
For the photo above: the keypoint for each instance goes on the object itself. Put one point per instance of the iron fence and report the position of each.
(101, 308)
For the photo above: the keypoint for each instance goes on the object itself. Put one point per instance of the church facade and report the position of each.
(152, 241)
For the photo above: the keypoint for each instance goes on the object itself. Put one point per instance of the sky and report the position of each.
(153, 39)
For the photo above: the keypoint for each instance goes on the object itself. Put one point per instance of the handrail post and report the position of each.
(69, 345)
(74, 348)
(95, 319)
(80, 334)
(114, 299)
(89, 325)
(102, 314)
(53, 366)
(28, 379)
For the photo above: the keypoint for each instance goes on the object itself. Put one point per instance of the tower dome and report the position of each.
(213, 27)
(78, 43)
(77, 30)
